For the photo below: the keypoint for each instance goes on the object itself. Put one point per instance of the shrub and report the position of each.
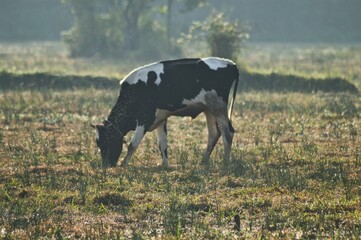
(224, 38)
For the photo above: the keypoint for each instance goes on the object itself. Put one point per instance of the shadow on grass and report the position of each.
(283, 83)
(248, 82)
(43, 81)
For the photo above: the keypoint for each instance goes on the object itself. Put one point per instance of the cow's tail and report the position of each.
(235, 86)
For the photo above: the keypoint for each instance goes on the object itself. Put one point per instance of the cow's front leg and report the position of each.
(134, 143)
(162, 142)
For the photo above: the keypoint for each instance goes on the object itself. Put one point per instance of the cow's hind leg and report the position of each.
(227, 132)
(162, 142)
(218, 107)
(213, 135)
(134, 143)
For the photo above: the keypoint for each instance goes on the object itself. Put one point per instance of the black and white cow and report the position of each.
(152, 93)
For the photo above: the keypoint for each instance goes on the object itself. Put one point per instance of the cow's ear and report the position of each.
(107, 123)
(98, 129)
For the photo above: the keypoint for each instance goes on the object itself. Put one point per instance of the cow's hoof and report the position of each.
(205, 162)
(163, 166)
(124, 164)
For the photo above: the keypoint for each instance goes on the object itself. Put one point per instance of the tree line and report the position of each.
(143, 29)
(117, 27)
(113, 28)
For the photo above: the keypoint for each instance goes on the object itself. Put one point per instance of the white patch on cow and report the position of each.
(214, 63)
(200, 98)
(97, 133)
(141, 74)
(160, 116)
(138, 135)
(162, 142)
(134, 143)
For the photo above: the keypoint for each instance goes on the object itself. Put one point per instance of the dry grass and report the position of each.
(53, 57)
(319, 61)
(295, 171)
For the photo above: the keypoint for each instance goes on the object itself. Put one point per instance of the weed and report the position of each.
(173, 216)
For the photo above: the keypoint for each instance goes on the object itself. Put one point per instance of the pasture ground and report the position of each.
(295, 169)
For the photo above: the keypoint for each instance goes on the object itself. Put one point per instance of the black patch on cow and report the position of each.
(165, 128)
(166, 153)
(230, 127)
(152, 77)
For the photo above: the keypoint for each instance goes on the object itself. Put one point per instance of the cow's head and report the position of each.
(110, 142)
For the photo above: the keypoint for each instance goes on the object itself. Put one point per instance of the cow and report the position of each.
(152, 93)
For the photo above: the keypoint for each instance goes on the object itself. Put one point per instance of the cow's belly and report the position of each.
(192, 110)
(188, 107)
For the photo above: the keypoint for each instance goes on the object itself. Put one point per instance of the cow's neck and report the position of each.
(121, 117)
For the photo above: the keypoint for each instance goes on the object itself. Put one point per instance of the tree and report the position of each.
(132, 12)
(188, 5)
(82, 38)
(109, 28)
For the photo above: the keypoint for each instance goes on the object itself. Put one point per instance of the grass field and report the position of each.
(295, 171)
